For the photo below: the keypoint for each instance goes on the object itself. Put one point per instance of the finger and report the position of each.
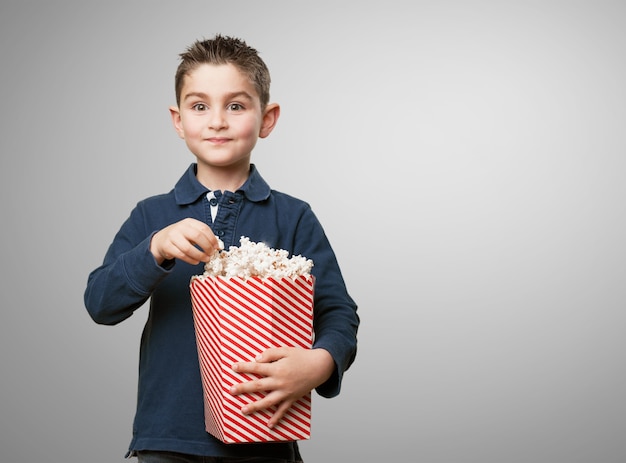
(265, 403)
(279, 414)
(205, 240)
(272, 354)
(254, 368)
(185, 247)
(185, 252)
(249, 387)
(204, 236)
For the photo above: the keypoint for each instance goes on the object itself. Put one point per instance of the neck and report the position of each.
(228, 178)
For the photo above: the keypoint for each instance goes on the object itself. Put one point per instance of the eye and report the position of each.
(200, 107)
(235, 107)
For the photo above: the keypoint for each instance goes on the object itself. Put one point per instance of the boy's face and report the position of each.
(220, 116)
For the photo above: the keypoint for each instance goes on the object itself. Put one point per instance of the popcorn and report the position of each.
(249, 299)
(252, 259)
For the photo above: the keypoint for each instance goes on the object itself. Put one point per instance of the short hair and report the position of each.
(225, 50)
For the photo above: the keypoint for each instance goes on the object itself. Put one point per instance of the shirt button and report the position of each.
(213, 202)
(219, 232)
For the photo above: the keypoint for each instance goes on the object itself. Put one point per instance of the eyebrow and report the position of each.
(229, 96)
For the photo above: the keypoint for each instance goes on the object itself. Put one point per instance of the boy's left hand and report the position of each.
(286, 375)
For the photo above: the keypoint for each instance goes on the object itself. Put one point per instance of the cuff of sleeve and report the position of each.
(332, 386)
(142, 270)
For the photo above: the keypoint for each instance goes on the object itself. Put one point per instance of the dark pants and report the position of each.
(173, 457)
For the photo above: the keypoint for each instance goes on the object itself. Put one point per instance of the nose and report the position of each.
(217, 119)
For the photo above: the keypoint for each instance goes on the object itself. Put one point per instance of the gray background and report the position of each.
(467, 159)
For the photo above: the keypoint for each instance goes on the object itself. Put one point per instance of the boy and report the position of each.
(222, 95)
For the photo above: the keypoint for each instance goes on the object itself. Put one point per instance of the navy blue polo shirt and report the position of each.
(170, 413)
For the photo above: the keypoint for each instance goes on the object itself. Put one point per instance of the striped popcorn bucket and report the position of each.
(235, 320)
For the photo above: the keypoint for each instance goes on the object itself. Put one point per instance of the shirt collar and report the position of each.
(189, 189)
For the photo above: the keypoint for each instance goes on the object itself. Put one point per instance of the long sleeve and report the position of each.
(335, 321)
(126, 278)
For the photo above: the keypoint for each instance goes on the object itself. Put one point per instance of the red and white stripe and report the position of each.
(235, 320)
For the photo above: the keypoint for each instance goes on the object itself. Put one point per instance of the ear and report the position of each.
(177, 121)
(270, 118)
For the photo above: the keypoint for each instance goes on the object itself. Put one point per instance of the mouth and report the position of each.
(218, 140)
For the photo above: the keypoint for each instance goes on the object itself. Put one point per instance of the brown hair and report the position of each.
(225, 50)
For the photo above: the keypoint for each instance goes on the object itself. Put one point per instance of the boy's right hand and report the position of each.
(189, 240)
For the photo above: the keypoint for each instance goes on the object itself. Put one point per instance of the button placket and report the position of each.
(224, 227)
